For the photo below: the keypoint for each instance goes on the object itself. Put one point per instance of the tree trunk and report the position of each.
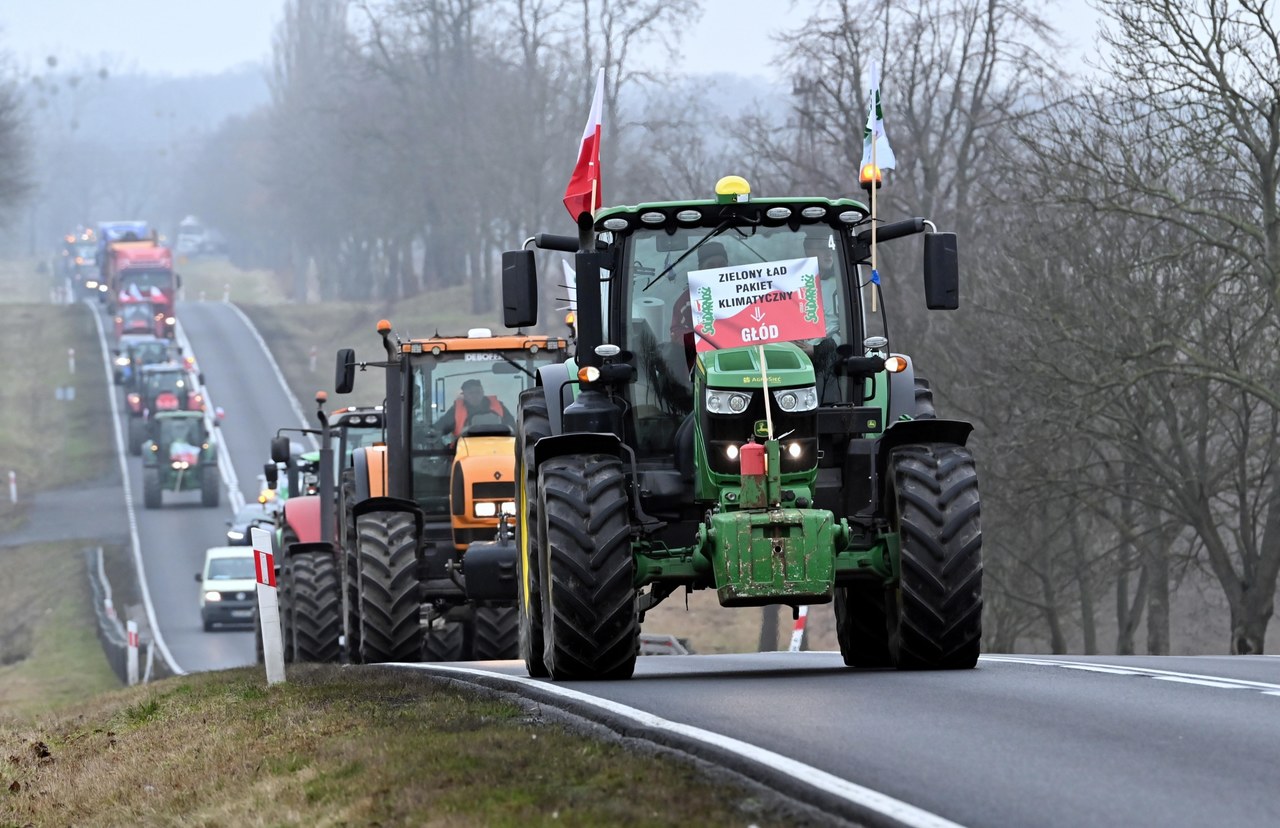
(1088, 625)
(1157, 567)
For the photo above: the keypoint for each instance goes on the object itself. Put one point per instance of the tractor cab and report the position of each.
(180, 456)
(460, 392)
(135, 317)
(168, 386)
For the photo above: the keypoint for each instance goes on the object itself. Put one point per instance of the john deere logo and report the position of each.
(762, 428)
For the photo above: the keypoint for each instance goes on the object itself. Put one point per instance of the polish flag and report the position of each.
(583, 193)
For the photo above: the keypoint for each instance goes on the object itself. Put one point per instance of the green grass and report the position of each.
(344, 746)
(50, 656)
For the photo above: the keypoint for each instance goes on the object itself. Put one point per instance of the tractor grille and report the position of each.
(724, 430)
(506, 491)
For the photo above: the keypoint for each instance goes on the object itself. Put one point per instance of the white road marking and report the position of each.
(128, 499)
(827, 783)
(1219, 682)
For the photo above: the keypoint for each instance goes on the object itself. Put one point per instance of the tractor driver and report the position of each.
(470, 403)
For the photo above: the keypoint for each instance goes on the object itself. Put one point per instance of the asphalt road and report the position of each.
(239, 379)
(1020, 741)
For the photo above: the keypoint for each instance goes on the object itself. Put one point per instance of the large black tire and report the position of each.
(137, 435)
(446, 641)
(590, 623)
(862, 624)
(210, 487)
(317, 607)
(350, 572)
(936, 615)
(496, 634)
(390, 606)
(925, 409)
(285, 589)
(151, 494)
(532, 424)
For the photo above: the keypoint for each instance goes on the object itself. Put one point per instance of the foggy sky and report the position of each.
(192, 37)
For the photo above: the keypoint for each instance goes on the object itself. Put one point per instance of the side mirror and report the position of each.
(177, 279)
(344, 377)
(272, 475)
(199, 577)
(519, 289)
(941, 272)
(280, 449)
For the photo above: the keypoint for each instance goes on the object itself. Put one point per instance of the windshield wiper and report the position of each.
(518, 365)
(717, 231)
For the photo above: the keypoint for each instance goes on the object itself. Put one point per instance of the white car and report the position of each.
(228, 587)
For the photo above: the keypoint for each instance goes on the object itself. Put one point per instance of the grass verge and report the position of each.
(50, 656)
(342, 746)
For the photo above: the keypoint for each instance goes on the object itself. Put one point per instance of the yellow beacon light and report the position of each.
(732, 188)
(868, 174)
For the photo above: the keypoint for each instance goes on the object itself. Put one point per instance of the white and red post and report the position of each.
(264, 564)
(131, 657)
(797, 634)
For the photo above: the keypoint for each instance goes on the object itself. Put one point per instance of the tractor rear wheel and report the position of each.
(390, 606)
(151, 494)
(496, 633)
(209, 491)
(590, 624)
(532, 425)
(317, 607)
(350, 572)
(137, 435)
(925, 409)
(445, 641)
(284, 593)
(936, 611)
(862, 624)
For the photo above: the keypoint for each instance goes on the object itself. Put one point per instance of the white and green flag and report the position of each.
(874, 130)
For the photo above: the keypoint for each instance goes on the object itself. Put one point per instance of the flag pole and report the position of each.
(875, 185)
(764, 384)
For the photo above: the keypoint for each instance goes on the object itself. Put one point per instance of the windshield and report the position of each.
(231, 569)
(149, 352)
(136, 312)
(659, 319)
(181, 430)
(146, 279)
(356, 437)
(460, 393)
(160, 381)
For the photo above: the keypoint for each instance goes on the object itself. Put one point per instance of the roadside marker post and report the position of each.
(131, 660)
(13, 486)
(797, 635)
(268, 605)
(71, 360)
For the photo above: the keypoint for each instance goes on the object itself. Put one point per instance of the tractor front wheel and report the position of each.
(137, 435)
(590, 624)
(390, 606)
(285, 591)
(317, 607)
(151, 494)
(209, 492)
(862, 624)
(533, 423)
(496, 633)
(445, 641)
(936, 612)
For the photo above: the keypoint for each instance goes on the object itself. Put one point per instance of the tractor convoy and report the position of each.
(727, 415)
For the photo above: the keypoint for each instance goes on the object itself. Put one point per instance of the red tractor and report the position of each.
(142, 272)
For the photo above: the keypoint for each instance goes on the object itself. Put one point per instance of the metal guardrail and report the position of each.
(111, 630)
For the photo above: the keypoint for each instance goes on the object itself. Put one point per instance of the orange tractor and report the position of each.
(427, 517)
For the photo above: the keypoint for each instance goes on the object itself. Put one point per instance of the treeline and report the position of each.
(1117, 344)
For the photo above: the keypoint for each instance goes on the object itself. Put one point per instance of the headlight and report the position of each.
(509, 507)
(102, 288)
(727, 402)
(234, 535)
(211, 595)
(122, 361)
(91, 284)
(795, 450)
(486, 509)
(169, 320)
(180, 464)
(797, 399)
(731, 451)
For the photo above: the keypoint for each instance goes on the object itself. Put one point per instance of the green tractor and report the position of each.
(181, 456)
(775, 472)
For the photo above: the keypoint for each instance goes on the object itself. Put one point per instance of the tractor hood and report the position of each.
(739, 368)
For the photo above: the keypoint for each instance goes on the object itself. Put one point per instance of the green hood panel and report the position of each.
(739, 368)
